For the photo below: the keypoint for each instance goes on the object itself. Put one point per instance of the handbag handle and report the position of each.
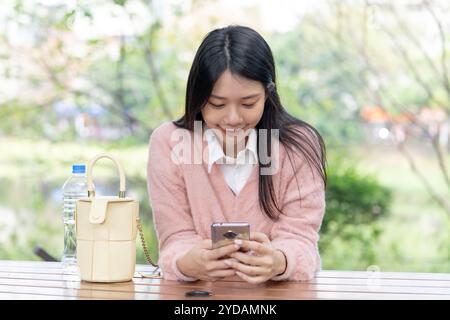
(91, 191)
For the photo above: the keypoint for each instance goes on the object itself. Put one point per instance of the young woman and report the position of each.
(257, 164)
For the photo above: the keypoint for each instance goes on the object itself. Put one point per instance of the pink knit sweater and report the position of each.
(186, 199)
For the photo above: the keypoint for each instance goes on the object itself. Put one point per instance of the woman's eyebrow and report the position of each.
(243, 98)
(218, 97)
(251, 96)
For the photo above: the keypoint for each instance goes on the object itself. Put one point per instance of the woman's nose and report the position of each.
(233, 118)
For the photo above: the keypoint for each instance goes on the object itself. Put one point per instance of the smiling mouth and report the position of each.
(232, 132)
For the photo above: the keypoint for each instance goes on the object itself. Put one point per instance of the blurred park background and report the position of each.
(81, 77)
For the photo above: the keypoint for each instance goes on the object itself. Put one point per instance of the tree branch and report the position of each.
(446, 81)
(119, 94)
(381, 92)
(157, 83)
(439, 200)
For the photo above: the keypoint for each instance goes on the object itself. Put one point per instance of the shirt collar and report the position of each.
(215, 151)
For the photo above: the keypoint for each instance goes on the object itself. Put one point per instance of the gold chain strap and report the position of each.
(157, 272)
(144, 245)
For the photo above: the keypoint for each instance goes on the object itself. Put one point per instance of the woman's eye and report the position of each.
(218, 106)
(248, 105)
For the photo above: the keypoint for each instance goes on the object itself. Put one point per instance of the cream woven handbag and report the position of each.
(106, 229)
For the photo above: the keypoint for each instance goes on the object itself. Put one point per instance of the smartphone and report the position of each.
(223, 233)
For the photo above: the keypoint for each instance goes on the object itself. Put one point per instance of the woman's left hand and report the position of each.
(260, 262)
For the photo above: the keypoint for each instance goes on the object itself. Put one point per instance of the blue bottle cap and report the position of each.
(79, 168)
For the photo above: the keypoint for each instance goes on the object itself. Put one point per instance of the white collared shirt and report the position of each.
(236, 171)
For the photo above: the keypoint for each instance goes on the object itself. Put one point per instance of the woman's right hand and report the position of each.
(204, 263)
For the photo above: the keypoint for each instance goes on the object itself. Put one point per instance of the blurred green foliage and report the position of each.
(353, 198)
(355, 202)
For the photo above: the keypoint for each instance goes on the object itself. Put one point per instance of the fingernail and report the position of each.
(228, 262)
(238, 242)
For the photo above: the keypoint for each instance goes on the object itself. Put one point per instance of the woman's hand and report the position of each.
(204, 263)
(260, 263)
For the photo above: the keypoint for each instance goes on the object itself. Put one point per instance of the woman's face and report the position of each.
(235, 106)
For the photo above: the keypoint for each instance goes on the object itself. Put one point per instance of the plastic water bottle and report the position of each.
(73, 189)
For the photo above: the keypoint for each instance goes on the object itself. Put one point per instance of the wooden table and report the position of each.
(45, 280)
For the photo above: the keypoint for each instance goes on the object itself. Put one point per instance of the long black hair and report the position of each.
(244, 52)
